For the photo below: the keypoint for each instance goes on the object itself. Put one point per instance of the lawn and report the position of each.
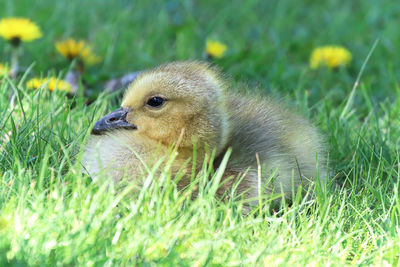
(51, 214)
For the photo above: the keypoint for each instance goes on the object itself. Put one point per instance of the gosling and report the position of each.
(188, 104)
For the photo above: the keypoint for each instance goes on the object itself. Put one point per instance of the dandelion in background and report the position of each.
(81, 52)
(15, 31)
(215, 49)
(51, 83)
(72, 49)
(330, 56)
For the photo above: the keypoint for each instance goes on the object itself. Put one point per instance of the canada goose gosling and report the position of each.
(192, 96)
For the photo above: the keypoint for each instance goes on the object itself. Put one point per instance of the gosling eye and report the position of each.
(155, 101)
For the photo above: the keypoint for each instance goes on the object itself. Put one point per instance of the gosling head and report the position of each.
(176, 98)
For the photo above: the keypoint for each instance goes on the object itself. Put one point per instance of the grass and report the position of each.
(52, 214)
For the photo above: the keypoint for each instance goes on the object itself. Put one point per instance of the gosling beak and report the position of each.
(114, 120)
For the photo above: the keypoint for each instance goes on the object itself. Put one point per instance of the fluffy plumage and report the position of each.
(200, 108)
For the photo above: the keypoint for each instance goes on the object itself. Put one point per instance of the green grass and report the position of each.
(52, 214)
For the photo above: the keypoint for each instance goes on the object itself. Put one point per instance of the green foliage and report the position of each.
(52, 214)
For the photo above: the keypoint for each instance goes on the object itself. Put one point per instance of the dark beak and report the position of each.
(114, 120)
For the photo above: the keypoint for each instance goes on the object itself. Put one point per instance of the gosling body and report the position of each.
(197, 108)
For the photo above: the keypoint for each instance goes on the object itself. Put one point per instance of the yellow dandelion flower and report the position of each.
(4, 70)
(215, 49)
(16, 30)
(71, 49)
(50, 83)
(330, 56)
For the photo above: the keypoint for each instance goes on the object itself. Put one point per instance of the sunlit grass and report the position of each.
(51, 213)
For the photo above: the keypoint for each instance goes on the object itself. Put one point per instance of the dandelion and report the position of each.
(330, 56)
(4, 70)
(51, 83)
(17, 30)
(215, 49)
(71, 49)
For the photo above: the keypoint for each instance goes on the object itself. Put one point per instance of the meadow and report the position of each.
(52, 214)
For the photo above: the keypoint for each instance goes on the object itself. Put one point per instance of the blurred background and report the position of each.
(268, 42)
